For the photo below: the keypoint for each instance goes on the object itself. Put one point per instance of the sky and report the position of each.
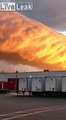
(48, 12)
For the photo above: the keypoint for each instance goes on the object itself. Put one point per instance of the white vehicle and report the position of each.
(37, 85)
(22, 84)
(64, 84)
(50, 84)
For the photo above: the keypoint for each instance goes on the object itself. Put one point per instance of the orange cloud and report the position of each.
(26, 41)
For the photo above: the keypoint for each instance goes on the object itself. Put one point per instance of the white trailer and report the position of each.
(64, 84)
(38, 82)
(50, 84)
(37, 85)
(22, 85)
(53, 84)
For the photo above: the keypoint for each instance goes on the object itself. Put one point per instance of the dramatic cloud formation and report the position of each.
(6, 67)
(25, 41)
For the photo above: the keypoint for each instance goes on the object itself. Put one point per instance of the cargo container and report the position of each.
(50, 84)
(64, 84)
(23, 85)
(37, 85)
(5, 85)
(53, 85)
(12, 82)
(10, 85)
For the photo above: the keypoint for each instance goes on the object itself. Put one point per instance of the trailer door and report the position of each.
(22, 84)
(50, 84)
(36, 84)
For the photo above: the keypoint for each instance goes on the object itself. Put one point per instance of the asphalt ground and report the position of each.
(20, 107)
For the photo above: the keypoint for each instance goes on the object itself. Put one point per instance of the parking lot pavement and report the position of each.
(14, 107)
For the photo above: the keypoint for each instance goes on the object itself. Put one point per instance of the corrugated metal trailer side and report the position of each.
(50, 84)
(23, 82)
(37, 82)
(64, 84)
(53, 85)
(24, 85)
(37, 85)
(9, 85)
(12, 82)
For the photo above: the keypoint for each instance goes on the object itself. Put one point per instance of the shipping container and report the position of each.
(12, 84)
(41, 82)
(5, 85)
(37, 85)
(52, 84)
(64, 84)
(9, 85)
(23, 85)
